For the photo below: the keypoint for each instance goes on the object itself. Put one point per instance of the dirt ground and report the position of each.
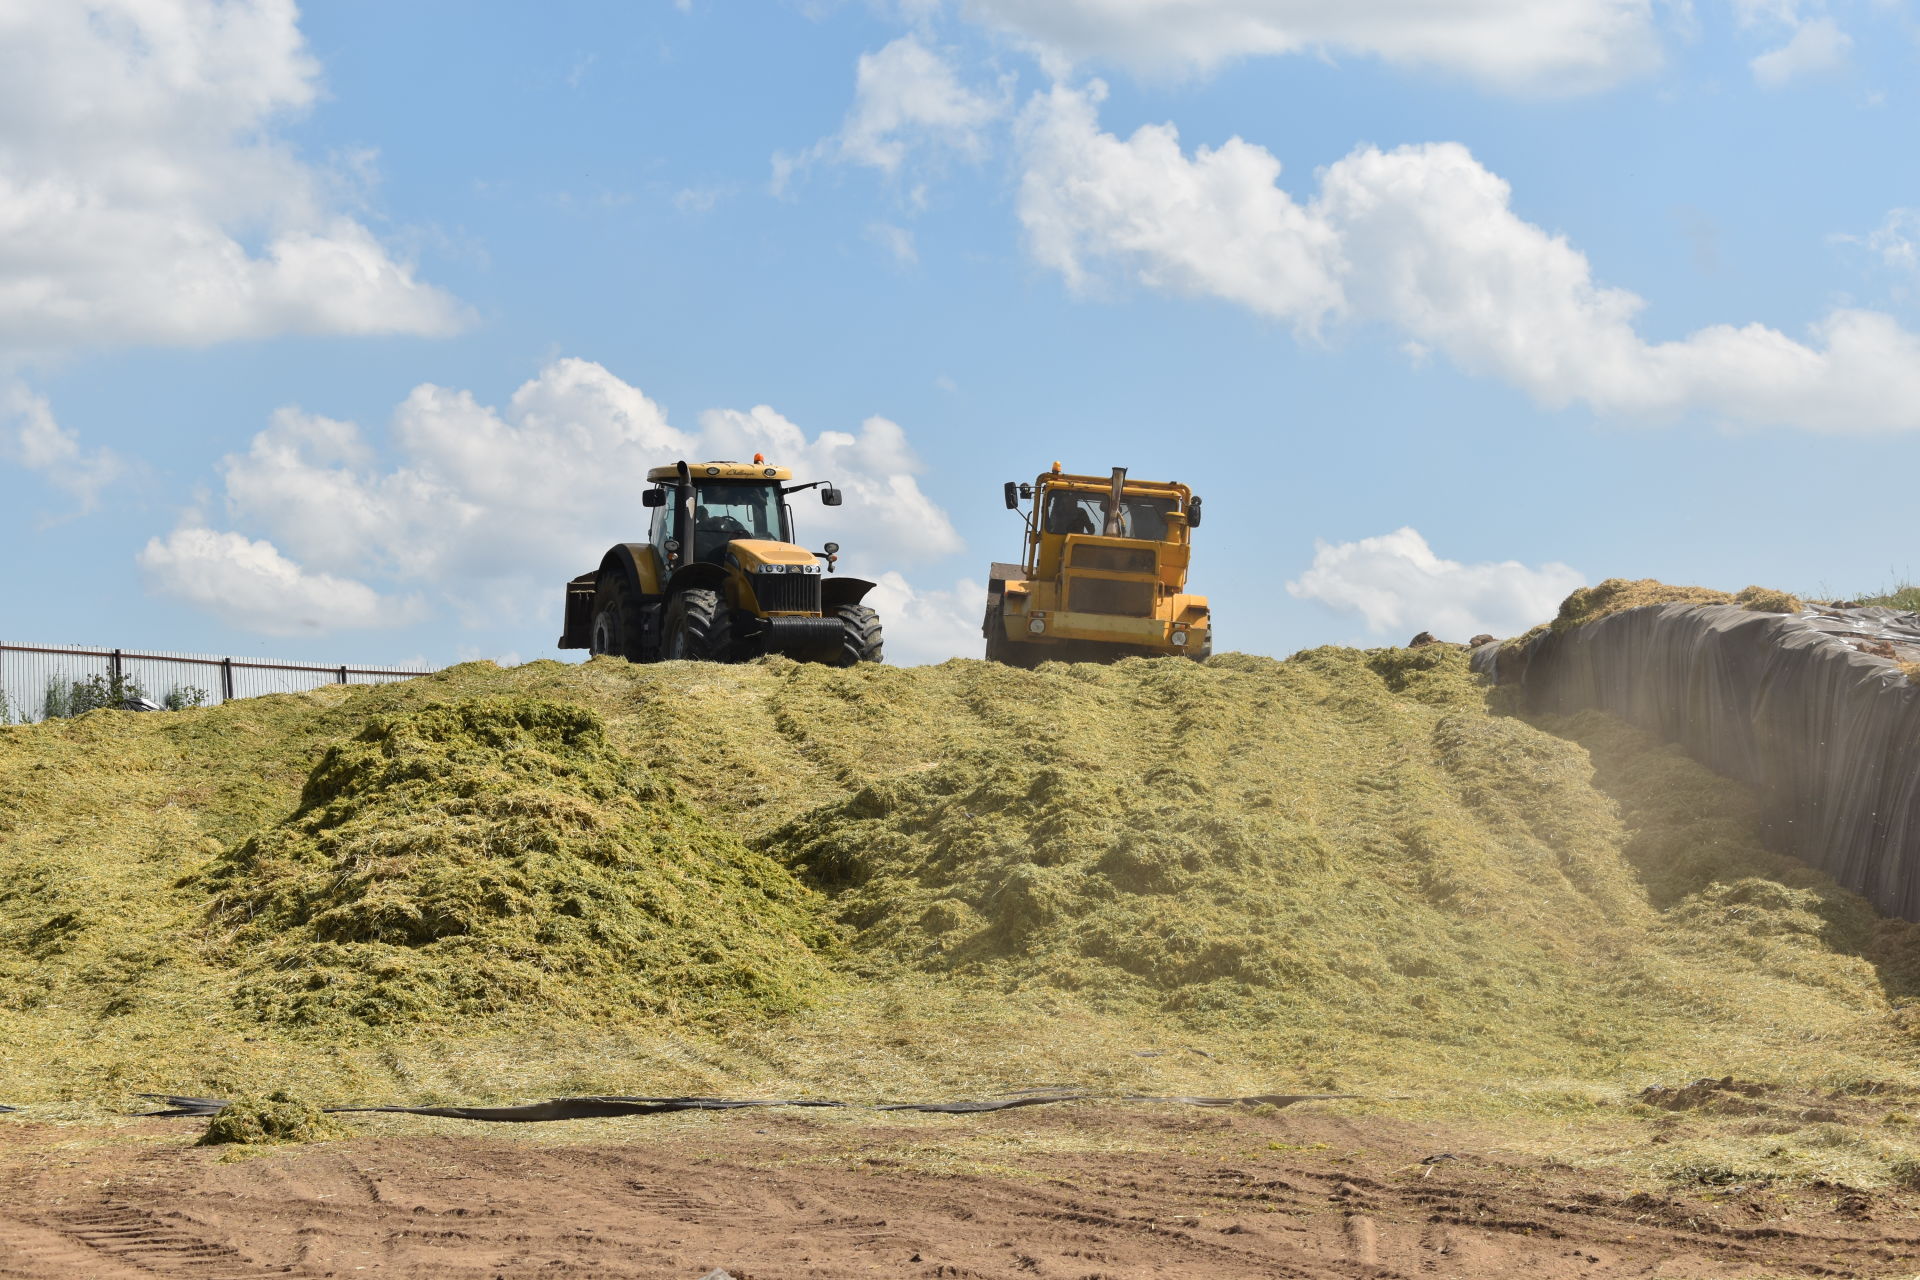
(1069, 1193)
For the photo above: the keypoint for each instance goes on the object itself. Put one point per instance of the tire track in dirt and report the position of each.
(145, 1243)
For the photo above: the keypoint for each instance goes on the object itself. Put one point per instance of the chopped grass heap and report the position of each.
(1402, 890)
(487, 855)
(1616, 595)
(277, 1118)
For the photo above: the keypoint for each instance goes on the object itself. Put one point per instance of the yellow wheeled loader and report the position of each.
(719, 578)
(1103, 575)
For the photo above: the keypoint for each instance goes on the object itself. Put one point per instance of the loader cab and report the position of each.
(1143, 516)
(1109, 525)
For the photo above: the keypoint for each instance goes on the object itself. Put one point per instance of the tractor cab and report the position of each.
(700, 511)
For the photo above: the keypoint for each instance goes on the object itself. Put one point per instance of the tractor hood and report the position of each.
(755, 554)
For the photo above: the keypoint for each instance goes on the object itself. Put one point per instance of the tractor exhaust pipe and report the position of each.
(687, 529)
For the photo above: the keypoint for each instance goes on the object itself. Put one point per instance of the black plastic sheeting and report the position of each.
(598, 1107)
(1795, 706)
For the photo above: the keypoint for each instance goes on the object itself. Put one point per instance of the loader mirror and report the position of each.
(654, 498)
(1013, 496)
(829, 497)
(1193, 512)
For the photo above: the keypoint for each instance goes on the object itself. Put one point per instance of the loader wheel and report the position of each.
(860, 638)
(698, 628)
(619, 620)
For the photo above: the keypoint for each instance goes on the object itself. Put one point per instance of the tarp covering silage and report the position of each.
(1793, 705)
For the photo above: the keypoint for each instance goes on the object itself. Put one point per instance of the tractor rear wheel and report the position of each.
(698, 627)
(860, 637)
(619, 619)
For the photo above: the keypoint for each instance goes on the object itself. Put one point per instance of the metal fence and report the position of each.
(27, 671)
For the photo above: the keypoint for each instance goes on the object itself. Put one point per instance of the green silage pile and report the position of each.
(491, 855)
(490, 884)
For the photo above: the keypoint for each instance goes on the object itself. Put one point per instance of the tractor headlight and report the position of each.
(1037, 625)
(1179, 637)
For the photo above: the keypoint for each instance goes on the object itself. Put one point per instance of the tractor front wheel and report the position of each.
(698, 627)
(860, 638)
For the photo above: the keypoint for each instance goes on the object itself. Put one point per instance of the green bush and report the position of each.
(68, 698)
(183, 696)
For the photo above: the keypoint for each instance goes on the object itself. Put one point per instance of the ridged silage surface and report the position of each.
(1343, 871)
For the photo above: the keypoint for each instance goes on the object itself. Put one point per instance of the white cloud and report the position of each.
(1555, 46)
(897, 241)
(31, 437)
(1817, 47)
(488, 511)
(929, 626)
(250, 584)
(905, 97)
(1896, 241)
(697, 199)
(1424, 239)
(1217, 225)
(144, 194)
(1398, 585)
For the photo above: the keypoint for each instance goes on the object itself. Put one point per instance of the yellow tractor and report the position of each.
(1106, 561)
(719, 578)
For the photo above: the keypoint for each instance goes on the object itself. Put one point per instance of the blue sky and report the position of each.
(344, 333)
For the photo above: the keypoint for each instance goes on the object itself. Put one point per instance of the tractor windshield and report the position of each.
(1142, 516)
(723, 512)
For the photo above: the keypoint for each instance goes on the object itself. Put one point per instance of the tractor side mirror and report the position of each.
(1013, 496)
(829, 497)
(1193, 512)
(654, 498)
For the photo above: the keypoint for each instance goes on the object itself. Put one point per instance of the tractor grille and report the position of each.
(1103, 595)
(1114, 559)
(787, 592)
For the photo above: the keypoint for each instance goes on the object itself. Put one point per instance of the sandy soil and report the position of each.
(1068, 1193)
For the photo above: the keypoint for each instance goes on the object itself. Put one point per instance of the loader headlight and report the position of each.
(1179, 637)
(1037, 625)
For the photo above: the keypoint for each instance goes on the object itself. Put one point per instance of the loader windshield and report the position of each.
(723, 512)
(1142, 516)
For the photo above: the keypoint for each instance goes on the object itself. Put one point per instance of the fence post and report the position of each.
(226, 679)
(113, 666)
(343, 673)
